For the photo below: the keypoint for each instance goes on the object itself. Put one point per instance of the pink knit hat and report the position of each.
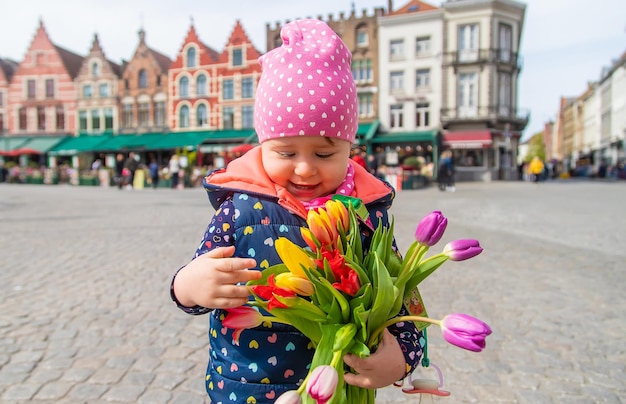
(306, 88)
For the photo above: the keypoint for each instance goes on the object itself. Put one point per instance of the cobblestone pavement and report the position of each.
(85, 315)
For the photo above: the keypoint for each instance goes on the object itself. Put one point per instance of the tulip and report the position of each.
(321, 226)
(339, 216)
(322, 383)
(460, 250)
(431, 228)
(289, 397)
(301, 286)
(465, 331)
(270, 291)
(241, 318)
(293, 256)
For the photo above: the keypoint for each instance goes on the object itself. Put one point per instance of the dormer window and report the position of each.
(95, 69)
(191, 57)
(237, 57)
(362, 37)
(143, 79)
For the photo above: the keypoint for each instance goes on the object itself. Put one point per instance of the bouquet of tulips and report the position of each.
(342, 297)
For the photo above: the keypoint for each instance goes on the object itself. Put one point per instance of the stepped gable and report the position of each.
(414, 6)
(207, 55)
(239, 37)
(96, 48)
(161, 59)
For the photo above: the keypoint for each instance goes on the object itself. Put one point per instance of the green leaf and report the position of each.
(384, 295)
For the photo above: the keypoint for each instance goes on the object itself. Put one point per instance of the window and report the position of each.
(396, 81)
(95, 69)
(247, 116)
(201, 85)
(191, 57)
(127, 115)
(1, 122)
(396, 49)
(95, 119)
(362, 37)
(278, 41)
(228, 118)
(396, 116)
(144, 114)
(41, 118)
(422, 115)
(504, 94)
(468, 43)
(103, 90)
(237, 57)
(31, 88)
(183, 117)
(87, 91)
(422, 79)
(362, 70)
(82, 120)
(505, 42)
(468, 158)
(1, 99)
(201, 116)
(422, 46)
(183, 87)
(143, 78)
(108, 118)
(366, 106)
(49, 88)
(159, 113)
(60, 116)
(468, 95)
(126, 84)
(23, 118)
(158, 80)
(247, 87)
(229, 90)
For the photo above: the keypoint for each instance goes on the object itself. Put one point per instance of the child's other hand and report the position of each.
(380, 369)
(211, 279)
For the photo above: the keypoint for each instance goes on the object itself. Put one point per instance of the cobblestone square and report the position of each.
(86, 316)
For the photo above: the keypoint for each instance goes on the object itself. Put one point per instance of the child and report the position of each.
(306, 121)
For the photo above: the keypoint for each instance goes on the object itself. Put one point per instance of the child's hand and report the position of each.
(211, 279)
(380, 369)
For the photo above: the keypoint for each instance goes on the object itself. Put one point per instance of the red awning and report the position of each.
(477, 139)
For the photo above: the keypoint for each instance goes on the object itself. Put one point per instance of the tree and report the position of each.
(536, 147)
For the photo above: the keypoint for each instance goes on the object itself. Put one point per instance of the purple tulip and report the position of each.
(465, 331)
(431, 228)
(460, 250)
(322, 383)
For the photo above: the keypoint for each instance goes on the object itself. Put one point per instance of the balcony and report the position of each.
(503, 58)
(493, 116)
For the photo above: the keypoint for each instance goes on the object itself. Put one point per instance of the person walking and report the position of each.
(445, 174)
(174, 170)
(535, 169)
(153, 171)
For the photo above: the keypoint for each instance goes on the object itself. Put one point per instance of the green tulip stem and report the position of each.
(394, 320)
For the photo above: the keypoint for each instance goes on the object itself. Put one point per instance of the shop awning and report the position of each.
(478, 139)
(425, 136)
(10, 143)
(38, 145)
(366, 131)
(175, 140)
(80, 144)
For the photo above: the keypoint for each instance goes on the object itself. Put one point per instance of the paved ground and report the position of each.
(85, 315)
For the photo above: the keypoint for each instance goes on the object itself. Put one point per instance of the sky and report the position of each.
(565, 43)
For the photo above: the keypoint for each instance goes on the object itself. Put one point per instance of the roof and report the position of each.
(8, 67)
(71, 61)
(414, 6)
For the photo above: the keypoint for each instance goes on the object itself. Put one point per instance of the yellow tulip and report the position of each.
(321, 226)
(302, 286)
(338, 214)
(293, 257)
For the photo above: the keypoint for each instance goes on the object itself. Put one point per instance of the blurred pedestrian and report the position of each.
(535, 169)
(174, 170)
(153, 171)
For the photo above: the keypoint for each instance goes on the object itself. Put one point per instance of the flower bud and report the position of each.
(431, 228)
(460, 250)
(322, 383)
(465, 331)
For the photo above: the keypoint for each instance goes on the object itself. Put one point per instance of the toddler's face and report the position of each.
(309, 167)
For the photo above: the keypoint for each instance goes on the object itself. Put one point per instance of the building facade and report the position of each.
(7, 70)
(42, 93)
(97, 83)
(480, 116)
(143, 90)
(410, 46)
